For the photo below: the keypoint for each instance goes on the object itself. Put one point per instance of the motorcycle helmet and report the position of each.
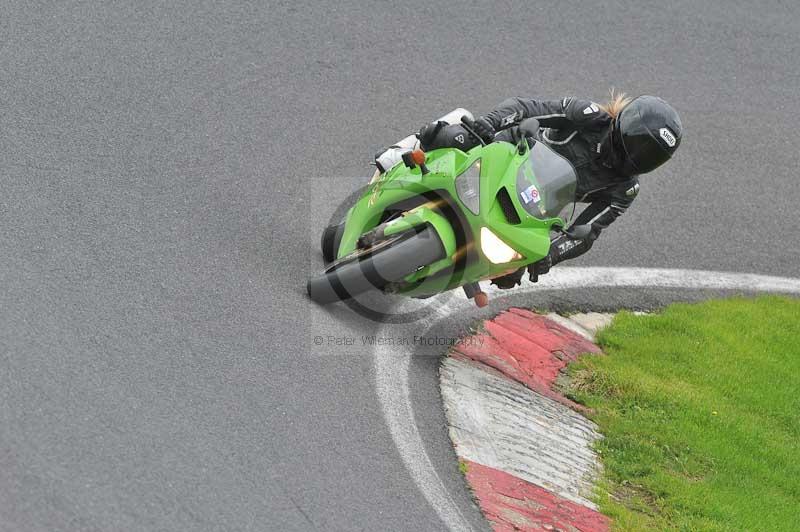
(644, 136)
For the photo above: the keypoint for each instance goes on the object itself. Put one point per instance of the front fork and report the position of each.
(426, 214)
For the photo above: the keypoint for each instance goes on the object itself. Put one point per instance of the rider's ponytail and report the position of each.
(617, 102)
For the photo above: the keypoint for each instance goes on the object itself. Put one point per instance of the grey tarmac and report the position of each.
(167, 169)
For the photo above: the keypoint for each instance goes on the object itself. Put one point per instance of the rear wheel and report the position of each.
(375, 267)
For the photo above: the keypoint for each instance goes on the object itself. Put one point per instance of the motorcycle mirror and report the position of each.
(579, 232)
(529, 128)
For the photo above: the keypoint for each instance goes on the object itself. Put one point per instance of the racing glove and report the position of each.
(561, 248)
(484, 129)
(427, 134)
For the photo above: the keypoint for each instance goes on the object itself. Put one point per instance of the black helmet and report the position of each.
(648, 131)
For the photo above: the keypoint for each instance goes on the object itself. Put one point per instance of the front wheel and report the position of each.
(331, 238)
(387, 261)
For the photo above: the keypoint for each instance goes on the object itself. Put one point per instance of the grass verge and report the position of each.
(700, 411)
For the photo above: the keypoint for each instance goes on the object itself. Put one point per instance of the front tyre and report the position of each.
(375, 267)
(331, 238)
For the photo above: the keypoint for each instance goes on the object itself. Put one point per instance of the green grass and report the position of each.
(700, 411)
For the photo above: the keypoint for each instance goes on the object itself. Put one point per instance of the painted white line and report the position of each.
(663, 278)
(391, 383)
(392, 362)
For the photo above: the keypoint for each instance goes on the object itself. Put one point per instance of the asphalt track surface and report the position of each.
(166, 171)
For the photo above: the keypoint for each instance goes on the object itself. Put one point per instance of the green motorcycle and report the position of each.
(448, 218)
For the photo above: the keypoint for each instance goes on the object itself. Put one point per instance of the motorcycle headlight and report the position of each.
(497, 251)
(468, 187)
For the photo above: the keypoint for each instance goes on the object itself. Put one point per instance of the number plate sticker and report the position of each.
(530, 194)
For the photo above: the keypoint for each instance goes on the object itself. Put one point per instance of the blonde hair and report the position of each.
(617, 102)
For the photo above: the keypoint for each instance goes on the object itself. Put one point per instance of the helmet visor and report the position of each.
(642, 149)
(644, 152)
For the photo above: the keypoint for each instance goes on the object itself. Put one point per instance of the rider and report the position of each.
(609, 145)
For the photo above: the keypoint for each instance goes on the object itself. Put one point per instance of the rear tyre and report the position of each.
(375, 267)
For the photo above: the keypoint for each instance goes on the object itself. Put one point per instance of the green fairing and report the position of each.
(500, 165)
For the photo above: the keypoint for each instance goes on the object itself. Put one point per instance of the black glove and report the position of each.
(484, 129)
(561, 248)
(510, 280)
(427, 134)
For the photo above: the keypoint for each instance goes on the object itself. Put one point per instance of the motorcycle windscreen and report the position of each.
(546, 184)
